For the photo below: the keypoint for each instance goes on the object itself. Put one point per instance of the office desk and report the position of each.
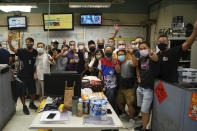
(75, 123)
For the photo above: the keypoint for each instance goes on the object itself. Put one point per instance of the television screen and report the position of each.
(91, 19)
(58, 22)
(17, 22)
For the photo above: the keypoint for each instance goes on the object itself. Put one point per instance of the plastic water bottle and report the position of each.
(76, 58)
(74, 104)
(80, 107)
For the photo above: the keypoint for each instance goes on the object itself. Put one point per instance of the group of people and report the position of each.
(128, 69)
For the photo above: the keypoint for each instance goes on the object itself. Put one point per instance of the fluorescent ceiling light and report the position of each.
(89, 5)
(21, 8)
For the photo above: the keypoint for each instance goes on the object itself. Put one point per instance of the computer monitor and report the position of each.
(17, 22)
(91, 19)
(54, 83)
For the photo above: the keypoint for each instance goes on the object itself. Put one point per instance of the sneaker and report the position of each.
(25, 110)
(33, 106)
(139, 118)
(139, 128)
(131, 124)
(123, 115)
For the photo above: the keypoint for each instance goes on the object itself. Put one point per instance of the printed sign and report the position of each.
(193, 106)
(160, 92)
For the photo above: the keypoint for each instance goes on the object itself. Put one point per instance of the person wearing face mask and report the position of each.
(92, 50)
(110, 67)
(42, 65)
(94, 63)
(127, 86)
(146, 74)
(72, 56)
(121, 45)
(81, 54)
(135, 46)
(169, 57)
(91, 46)
(27, 58)
(61, 61)
(100, 44)
(111, 42)
(54, 48)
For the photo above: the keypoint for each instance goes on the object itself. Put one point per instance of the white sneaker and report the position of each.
(123, 115)
(131, 124)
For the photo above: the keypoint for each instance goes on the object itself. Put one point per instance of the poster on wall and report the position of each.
(193, 106)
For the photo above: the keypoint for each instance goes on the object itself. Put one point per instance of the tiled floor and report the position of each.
(21, 122)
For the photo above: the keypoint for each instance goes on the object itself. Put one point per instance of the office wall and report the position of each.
(130, 28)
(108, 18)
(167, 11)
(164, 17)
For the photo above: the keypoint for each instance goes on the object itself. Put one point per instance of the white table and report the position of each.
(75, 123)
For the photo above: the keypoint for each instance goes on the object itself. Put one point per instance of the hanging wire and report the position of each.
(49, 12)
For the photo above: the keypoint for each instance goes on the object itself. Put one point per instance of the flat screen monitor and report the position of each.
(91, 19)
(17, 22)
(55, 22)
(54, 83)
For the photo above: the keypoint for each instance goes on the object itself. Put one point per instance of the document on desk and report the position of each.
(60, 116)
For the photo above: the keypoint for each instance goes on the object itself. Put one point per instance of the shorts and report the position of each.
(144, 99)
(126, 96)
(40, 87)
(30, 86)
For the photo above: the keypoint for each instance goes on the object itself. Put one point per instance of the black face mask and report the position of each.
(29, 46)
(162, 46)
(101, 46)
(92, 49)
(108, 53)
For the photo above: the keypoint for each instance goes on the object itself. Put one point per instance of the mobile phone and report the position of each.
(109, 111)
(51, 116)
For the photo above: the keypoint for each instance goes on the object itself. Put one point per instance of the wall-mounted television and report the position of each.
(17, 22)
(91, 19)
(55, 22)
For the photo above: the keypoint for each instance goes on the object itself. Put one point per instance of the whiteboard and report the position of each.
(79, 34)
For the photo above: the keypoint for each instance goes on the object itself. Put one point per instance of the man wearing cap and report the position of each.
(54, 48)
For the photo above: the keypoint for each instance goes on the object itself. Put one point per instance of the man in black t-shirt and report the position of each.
(81, 54)
(4, 55)
(27, 57)
(169, 58)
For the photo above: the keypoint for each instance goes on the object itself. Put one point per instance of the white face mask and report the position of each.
(81, 47)
(135, 47)
(121, 47)
(71, 47)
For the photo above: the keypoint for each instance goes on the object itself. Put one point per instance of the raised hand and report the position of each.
(9, 39)
(50, 58)
(153, 55)
(114, 60)
(116, 27)
(64, 40)
(195, 27)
